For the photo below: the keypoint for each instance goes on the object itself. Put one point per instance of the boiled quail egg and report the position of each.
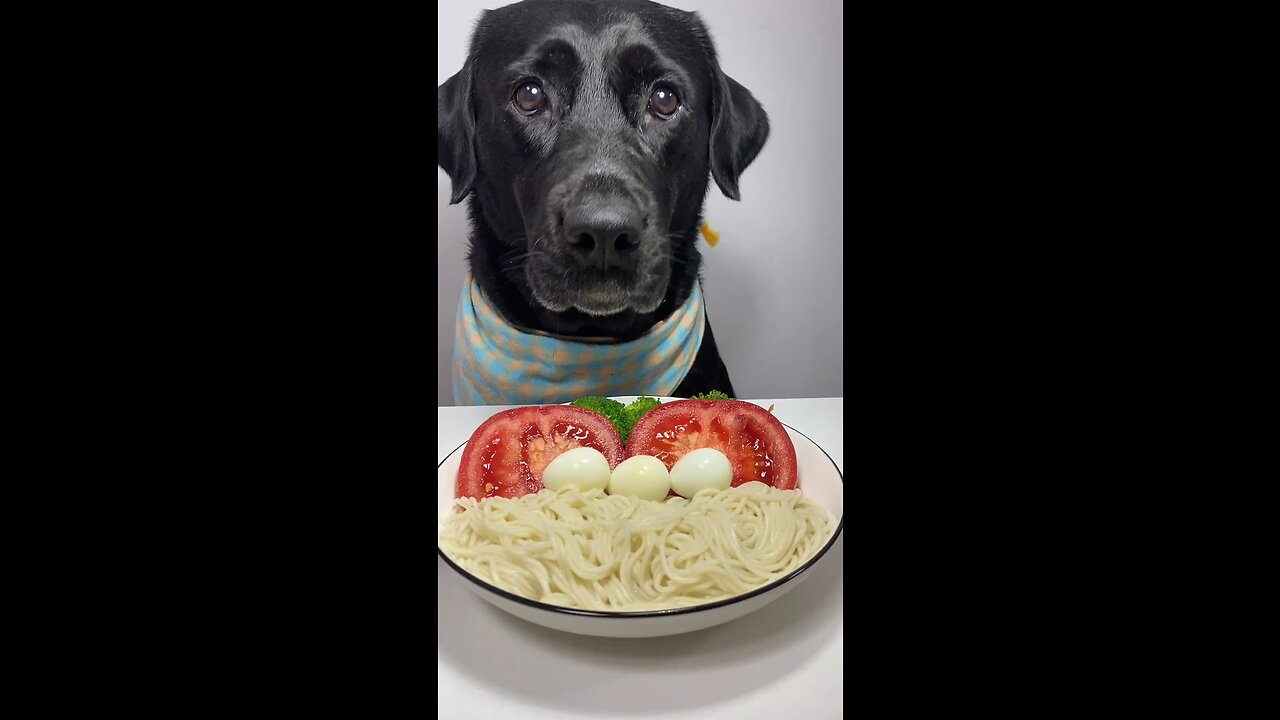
(642, 476)
(701, 469)
(583, 466)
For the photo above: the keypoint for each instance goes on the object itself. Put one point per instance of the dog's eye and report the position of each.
(664, 102)
(530, 98)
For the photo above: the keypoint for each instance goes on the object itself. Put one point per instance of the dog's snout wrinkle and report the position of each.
(604, 230)
(602, 184)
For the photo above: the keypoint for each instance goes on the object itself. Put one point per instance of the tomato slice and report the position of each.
(756, 444)
(506, 455)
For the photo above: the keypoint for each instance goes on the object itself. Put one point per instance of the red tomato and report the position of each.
(756, 444)
(506, 455)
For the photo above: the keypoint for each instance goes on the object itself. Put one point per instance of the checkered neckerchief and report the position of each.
(495, 363)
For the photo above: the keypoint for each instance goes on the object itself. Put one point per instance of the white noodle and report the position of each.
(595, 551)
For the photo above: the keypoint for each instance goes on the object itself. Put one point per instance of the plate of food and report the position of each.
(636, 517)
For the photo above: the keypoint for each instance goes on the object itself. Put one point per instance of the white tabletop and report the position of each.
(783, 662)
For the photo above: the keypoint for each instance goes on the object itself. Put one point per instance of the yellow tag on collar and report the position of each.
(713, 237)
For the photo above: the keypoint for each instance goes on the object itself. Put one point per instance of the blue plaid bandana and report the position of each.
(495, 363)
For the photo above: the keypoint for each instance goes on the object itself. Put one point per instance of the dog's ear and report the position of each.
(739, 128)
(739, 125)
(456, 117)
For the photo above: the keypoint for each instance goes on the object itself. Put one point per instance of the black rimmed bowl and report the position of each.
(819, 480)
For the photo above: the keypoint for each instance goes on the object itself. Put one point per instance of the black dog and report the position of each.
(585, 133)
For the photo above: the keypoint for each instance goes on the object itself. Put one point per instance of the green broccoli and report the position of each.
(631, 415)
(713, 395)
(611, 409)
(623, 417)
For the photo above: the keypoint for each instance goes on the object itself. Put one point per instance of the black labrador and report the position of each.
(585, 133)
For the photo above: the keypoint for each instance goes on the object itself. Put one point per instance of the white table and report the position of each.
(784, 662)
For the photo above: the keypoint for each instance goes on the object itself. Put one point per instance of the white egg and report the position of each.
(642, 476)
(584, 467)
(701, 469)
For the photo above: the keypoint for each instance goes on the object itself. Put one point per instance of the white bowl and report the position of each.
(817, 477)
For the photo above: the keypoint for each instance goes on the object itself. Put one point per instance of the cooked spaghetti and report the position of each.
(595, 551)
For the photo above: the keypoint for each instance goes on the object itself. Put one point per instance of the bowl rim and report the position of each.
(670, 612)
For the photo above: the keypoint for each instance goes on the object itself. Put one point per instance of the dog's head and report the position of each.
(587, 132)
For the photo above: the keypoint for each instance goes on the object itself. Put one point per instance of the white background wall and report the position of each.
(775, 284)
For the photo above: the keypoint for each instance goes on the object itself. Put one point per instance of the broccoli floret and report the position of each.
(611, 409)
(639, 407)
(713, 395)
(632, 413)
(623, 417)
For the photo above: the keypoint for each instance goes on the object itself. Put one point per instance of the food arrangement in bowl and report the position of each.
(636, 517)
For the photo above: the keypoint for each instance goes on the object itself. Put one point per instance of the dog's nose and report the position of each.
(604, 232)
